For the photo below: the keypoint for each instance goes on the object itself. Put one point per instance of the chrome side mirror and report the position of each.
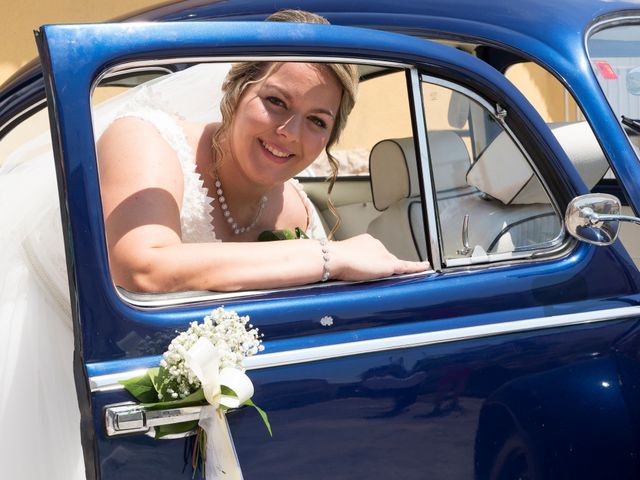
(594, 218)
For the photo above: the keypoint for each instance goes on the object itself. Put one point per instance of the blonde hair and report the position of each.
(242, 75)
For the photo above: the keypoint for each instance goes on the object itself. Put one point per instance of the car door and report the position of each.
(418, 376)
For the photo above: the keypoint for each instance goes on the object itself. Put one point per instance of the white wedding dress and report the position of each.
(39, 416)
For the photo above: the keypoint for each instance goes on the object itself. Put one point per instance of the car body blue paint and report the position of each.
(408, 412)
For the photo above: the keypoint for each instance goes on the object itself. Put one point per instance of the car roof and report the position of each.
(535, 18)
(539, 29)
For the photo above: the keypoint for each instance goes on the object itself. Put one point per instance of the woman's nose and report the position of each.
(290, 127)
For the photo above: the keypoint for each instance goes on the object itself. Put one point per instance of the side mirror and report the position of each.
(594, 218)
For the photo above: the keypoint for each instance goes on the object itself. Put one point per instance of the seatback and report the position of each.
(396, 192)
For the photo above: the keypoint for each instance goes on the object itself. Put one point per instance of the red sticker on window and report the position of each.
(606, 70)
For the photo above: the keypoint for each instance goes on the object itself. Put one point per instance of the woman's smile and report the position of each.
(272, 150)
(282, 124)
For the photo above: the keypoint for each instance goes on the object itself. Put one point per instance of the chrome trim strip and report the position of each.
(150, 300)
(429, 207)
(102, 383)
(607, 23)
(251, 58)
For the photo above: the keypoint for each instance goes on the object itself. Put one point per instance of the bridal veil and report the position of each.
(39, 414)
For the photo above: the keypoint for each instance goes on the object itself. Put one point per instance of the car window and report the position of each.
(614, 52)
(491, 203)
(557, 107)
(362, 196)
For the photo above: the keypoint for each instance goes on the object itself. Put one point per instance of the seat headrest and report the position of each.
(449, 158)
(393, 171)
(503, 172)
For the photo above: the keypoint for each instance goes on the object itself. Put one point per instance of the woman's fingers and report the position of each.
(406, 266)
(364, 258)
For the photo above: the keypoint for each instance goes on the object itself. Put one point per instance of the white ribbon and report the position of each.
(204, 361)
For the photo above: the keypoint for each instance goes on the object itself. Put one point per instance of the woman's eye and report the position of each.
(276, 101)
(318, 122)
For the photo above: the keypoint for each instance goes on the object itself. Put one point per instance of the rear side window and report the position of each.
(615, 58)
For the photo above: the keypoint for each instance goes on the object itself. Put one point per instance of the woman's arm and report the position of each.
(142, 185)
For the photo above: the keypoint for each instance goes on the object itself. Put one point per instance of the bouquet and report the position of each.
(203, 366)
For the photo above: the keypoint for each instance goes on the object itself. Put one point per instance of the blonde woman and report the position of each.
(167, 232)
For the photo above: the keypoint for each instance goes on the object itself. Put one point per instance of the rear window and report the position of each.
(614, 52)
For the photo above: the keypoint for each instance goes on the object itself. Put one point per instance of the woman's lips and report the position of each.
(274, 152)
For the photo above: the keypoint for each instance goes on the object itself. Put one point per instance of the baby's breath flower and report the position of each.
(229, 334)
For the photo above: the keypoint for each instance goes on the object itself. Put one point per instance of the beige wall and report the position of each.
(544, 92)
(20, 18)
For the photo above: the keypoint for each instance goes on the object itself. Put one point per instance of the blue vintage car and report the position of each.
(516, 356)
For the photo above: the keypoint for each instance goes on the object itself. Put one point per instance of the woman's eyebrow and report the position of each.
(288, 98)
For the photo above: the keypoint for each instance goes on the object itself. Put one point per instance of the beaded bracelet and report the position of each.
(325, 257)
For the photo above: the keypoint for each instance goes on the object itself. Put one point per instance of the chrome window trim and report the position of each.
(152, 300)
(141, 64)
(607, 23)
(103, 383)
(428, 206)
(550, 246)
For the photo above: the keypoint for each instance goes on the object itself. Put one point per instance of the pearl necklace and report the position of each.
(235, 228)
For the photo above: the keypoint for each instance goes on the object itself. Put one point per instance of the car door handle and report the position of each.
(131, 417)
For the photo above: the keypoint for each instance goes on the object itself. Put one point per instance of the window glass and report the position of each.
(615, 57)
(609, 51)
(547, 95)
(490, 202)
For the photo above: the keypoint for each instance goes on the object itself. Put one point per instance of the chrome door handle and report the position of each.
(131, 417)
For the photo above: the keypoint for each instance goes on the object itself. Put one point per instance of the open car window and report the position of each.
(360, 187)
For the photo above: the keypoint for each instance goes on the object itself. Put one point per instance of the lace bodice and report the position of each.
(197, 210)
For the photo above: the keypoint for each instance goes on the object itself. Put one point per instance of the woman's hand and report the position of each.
(364, 258)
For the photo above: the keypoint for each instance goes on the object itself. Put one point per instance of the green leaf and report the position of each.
(155, 377)
(141, 388)
(262, 413)
(300, 233)
(196, 398)
(183, 427)
(271, 235)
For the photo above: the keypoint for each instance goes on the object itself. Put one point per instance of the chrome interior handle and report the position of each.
(466, 249)
(131, 417)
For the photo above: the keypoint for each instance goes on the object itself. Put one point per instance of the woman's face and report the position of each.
(284, 122)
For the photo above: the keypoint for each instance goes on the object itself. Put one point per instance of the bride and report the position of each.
(184, 200)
